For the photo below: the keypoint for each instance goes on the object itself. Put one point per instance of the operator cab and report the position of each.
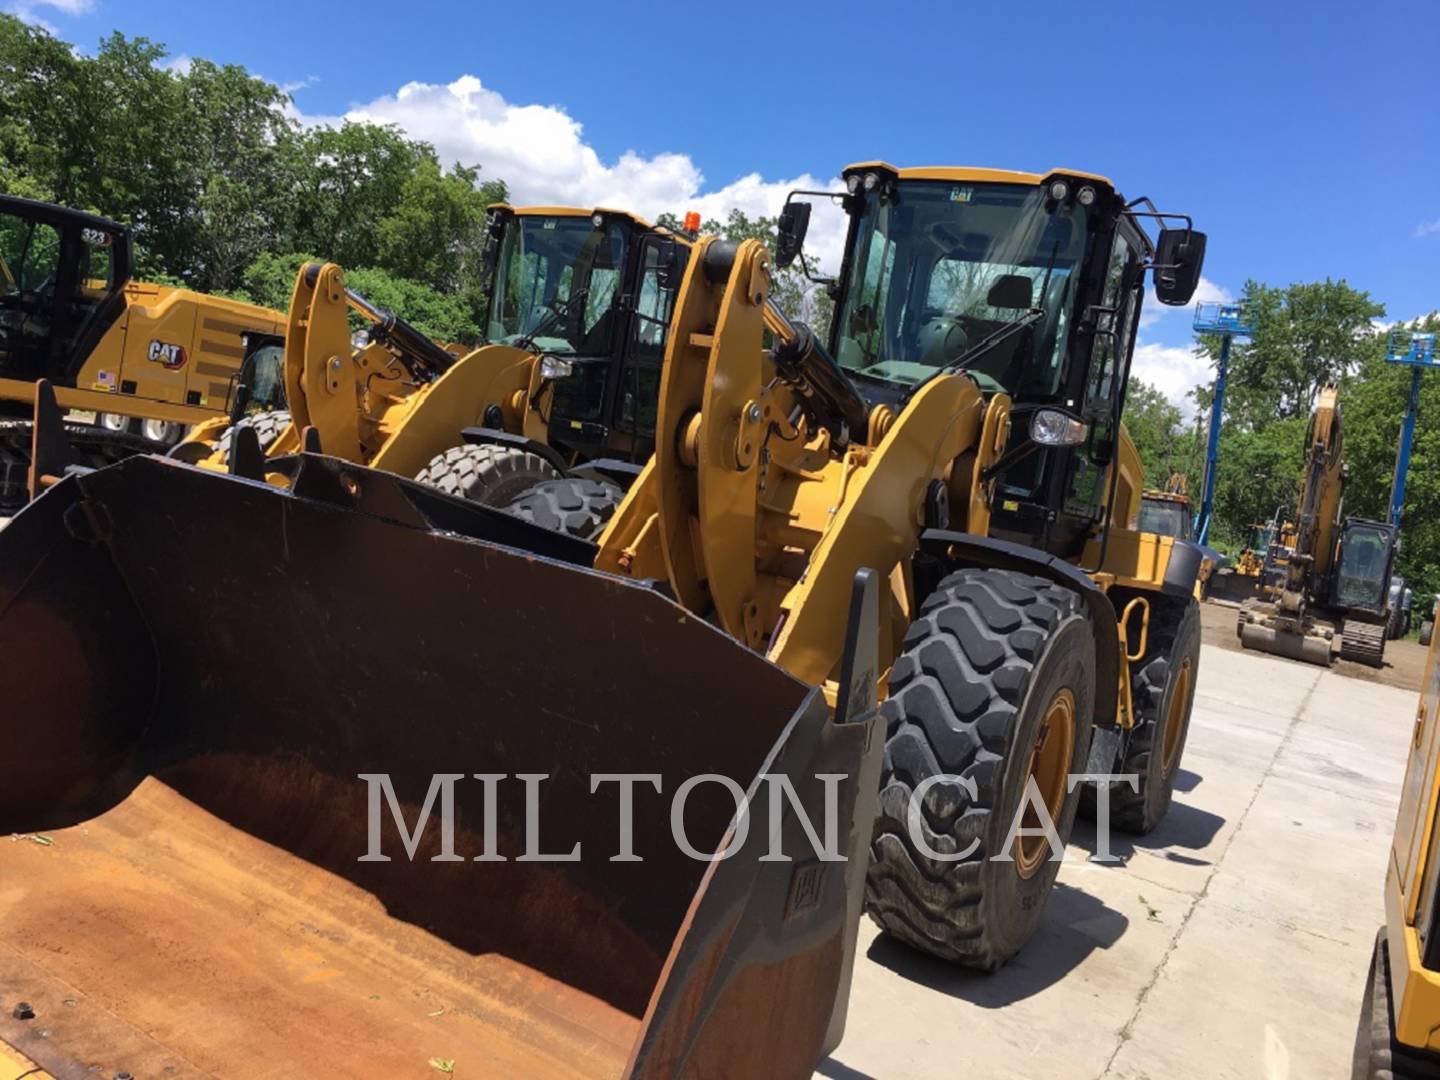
(1164, 515)
(1029, 284)
(1363, 565)
(62, 280)
(591, 292)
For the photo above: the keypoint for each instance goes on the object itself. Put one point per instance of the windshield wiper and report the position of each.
(558, 310)
(980, 348)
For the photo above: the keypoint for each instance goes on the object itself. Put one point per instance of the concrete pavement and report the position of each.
(1232, 942)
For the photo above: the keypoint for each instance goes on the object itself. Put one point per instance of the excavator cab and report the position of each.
(591, 292)
(1363, 565)
(62, 277)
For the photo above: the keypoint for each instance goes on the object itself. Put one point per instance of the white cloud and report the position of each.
(178, 65)
(28, 11)
(1205, 293)
(541, 153)
(298, 84)
(1174, 370)
(1425, 228)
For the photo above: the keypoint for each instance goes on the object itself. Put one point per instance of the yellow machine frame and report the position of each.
(743, 512)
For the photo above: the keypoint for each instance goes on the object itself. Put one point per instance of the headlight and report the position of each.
(1059, 190)
(1086, 195)
(552, 367)
(852, 183)
(598, 220)
(872, 181)
(1051, 427)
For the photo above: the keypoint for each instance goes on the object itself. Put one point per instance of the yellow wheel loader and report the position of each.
(1167, 512)
(1398, 1036)
(1328, 580)
(555, 412)
(147, 360)
(938, 510)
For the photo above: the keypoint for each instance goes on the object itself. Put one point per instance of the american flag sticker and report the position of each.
(106, 379)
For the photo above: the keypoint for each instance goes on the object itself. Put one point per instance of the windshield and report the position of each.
(937, 267)
(1360, 578)
(1165, 518)
(560, 276)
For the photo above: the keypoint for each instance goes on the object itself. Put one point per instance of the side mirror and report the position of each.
(790, 232)
(667, 261)
(1179, 257)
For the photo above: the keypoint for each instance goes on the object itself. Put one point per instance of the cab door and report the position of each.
(31, 298)
(660, 267)
(1088, 487)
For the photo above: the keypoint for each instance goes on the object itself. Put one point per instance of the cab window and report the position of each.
(29, 255)
(97, 276)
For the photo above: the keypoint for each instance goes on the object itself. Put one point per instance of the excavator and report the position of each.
(147, 360)
(900, 567)
(1333, 581)
(554, 411)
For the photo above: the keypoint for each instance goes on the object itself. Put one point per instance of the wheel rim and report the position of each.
(114, 421)
(157, 430)
(1050, 768)
(1176, 720)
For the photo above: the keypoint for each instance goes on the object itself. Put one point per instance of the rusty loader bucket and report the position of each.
(242, 825)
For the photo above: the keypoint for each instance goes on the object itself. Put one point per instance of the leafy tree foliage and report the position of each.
(1306, 335)
(270, 279)
(797, 296)
(216, 177)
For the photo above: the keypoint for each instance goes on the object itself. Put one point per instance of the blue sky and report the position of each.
(1303, 137)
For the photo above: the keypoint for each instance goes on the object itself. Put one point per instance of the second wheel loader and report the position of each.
(936, 514)
(555, 409)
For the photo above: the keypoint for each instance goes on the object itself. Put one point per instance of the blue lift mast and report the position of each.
(1418, 351)
(1229, 321)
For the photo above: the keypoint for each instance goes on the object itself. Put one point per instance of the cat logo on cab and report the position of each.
(171, 357)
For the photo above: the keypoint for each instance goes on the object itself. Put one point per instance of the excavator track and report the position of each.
(1363, 643)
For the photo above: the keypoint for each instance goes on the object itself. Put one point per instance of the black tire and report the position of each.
(980, 669)
(267, 425)
(1427, 629)
(1170, 666)
(486, 473)
(573, 505)
(1378, 1056)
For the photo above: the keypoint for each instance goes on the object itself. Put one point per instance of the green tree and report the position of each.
(795, 294)
(1161, 436)
(1306, 335)
(1372, 404)
(270, 280)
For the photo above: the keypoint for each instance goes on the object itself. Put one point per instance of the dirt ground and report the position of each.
(1404, 660)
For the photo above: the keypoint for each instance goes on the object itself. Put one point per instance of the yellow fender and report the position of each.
(490, 375)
